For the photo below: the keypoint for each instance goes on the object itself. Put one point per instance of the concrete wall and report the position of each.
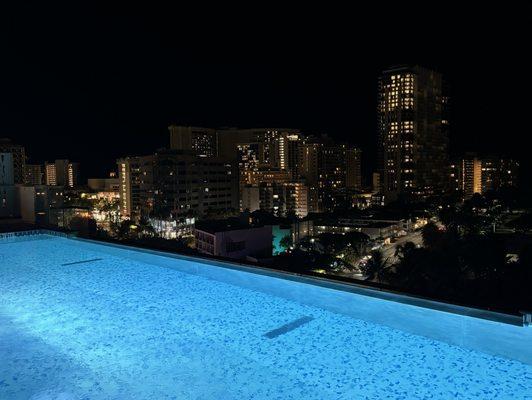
(257, 242)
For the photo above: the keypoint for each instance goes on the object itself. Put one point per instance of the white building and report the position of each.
(233, 239)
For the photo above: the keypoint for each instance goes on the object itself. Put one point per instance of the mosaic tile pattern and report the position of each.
(120, 329)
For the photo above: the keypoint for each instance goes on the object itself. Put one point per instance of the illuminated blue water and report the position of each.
(116, 328)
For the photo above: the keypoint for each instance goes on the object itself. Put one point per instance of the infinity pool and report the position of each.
(80, 320)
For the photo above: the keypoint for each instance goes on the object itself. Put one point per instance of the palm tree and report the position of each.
(286, 242)
(432, 236)
(145, 228)
(375, 267)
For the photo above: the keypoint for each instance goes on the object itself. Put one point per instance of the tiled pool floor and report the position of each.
(113, 328)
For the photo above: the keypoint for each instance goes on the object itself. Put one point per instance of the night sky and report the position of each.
(93, 86)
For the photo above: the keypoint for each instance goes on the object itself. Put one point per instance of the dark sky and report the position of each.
(93, 86)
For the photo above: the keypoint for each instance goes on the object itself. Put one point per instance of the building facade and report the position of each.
(173, 183)
(38, 202)
(232, 239)
(61, 173)
(202, 142)
(473, 174)
(413, 129)
(19, 158)
(33, 174)
(331, 170)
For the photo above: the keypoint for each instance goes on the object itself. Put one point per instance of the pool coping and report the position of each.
(349, 287)
(383, 294)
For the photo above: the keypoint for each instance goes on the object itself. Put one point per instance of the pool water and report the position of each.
(78, 322)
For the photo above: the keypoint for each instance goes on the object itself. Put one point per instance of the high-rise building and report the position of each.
(473, 174)
(33, 174)
(310, 172)
(173, 183)
(353, 170)
(72, 174)
(329, 169)
(499, 172)
(296, 194)
(19, 158)
(50, 174)
(248, 162)
(61, 173)
(413, 125)
(275, 145)
(200, 141)
(276, 197)
(376, 182)
(294, 147)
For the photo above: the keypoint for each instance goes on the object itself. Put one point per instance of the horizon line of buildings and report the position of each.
(282, 171)
(276, 170)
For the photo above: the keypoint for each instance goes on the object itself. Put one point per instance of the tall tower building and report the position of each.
(329, 168)
(471, 169)
(472, 174)
(50, 174)
(61, 173)
(413, 124)
(353, 174)
(203, 142)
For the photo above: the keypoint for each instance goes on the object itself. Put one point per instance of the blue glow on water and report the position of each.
(116, 328)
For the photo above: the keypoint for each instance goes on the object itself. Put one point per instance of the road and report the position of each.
(388, 250)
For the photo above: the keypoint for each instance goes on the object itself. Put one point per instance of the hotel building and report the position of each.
(172, 183)
(413, 127)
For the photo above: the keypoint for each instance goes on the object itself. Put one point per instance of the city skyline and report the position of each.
(115, 84)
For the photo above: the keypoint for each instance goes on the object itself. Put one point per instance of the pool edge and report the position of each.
(325, 282)
(349, 287)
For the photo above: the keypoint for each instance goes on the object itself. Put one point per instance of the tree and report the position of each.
(123, 229)
(359, 242)
(404, 251)
(375, 267)
(286, 242)
(432, 236)
(144, 227)
(350, 256)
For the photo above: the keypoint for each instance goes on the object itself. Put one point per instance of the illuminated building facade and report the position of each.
(275, 145)
(278, 198)
(61, 173)
(202, 142)
(169, 184)
(413, 127)
(473, 174)
(499, 172)
(274, 191)
(50, 174)
(330, 169)
(248, 161)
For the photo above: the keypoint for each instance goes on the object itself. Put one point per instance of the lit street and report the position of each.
(388, 250)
